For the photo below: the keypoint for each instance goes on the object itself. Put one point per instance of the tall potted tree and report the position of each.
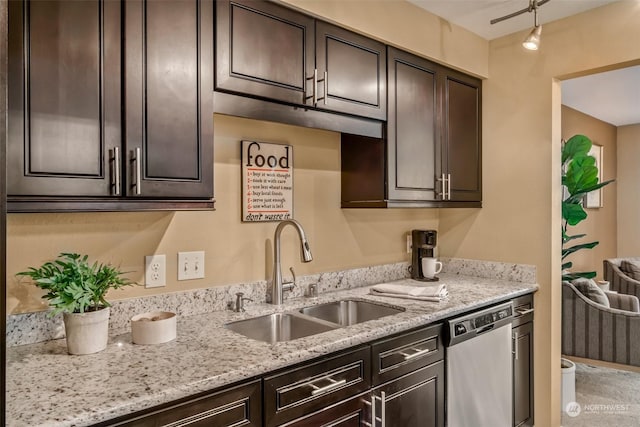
(77, 289)
(579, 177)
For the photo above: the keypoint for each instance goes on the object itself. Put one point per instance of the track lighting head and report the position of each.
(532, 42)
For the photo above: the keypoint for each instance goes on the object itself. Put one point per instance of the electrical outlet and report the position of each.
(409, 244)
(155, 272)
(190, 265)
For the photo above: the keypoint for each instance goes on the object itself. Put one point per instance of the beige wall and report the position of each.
(601, 223)
(520, 218)
(235, 251)
(628, 190)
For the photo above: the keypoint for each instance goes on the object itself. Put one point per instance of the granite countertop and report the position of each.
(46, 386)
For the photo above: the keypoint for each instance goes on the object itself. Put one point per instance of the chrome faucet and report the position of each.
(277, 286)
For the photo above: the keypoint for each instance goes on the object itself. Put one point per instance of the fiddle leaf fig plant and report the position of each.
(579, 177)
(75, 286)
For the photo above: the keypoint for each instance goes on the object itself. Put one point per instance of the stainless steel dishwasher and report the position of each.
(479, 369)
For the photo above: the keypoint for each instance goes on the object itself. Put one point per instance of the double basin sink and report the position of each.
(310, 320)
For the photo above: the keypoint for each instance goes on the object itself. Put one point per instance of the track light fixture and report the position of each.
(532, 42)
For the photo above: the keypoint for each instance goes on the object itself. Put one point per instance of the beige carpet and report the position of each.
(606, 397)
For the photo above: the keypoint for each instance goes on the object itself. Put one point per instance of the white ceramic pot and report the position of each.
(568, 383)
(87, 332)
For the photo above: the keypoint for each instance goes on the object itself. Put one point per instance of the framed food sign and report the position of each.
(267, 181)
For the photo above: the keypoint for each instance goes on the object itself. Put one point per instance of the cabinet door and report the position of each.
(414, 400)
(64, 97)
(169, 98)
(235, 406)
(353, 72)
(523, 375)
(264, 50)
(412, 136)
(462, 157)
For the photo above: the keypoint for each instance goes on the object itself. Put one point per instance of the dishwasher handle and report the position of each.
(485, 329)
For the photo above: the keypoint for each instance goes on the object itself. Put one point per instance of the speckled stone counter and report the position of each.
(46, 386)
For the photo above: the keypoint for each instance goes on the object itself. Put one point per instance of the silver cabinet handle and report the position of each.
(115, 178)
(417, 353)
(207, 414)
(449, 186)
(326, 86)
(443, 193)
(373, 411)
(314, 94)
(383, 404)
(137, 159)
(374, 417)
(315, 86)
(372, 405)
(315, 90)
(329, 387)
(515, 346)
(523, 311)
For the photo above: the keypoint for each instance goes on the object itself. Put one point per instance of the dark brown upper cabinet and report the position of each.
(413, 136)
(264, 50)
(461, 139)
(270, 52)
(168, 98)
(432, 154)
(64, 97)
(351, 72)
(108, 116)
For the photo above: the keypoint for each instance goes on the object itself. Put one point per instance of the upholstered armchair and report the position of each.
(594, 331)
(619, 280)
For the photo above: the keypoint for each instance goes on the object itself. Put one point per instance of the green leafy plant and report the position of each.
(75, 286)
(579, 177)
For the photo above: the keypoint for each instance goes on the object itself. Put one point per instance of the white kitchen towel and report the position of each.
(422, 293)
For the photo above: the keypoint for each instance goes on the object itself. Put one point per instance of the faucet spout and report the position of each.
(305, 255)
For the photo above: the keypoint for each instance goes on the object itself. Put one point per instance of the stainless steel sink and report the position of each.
(278, 327)
(349, 312)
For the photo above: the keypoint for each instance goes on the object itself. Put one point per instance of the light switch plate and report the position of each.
(190, 265)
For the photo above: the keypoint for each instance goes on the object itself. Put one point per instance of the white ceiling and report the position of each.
(474, 15)
(613, 97)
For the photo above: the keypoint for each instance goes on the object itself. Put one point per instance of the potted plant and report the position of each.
(77, 289)
(579, 177)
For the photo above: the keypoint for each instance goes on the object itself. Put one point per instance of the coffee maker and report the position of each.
(422, 242)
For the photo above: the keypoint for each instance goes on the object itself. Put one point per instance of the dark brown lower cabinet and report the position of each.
(235, 406)
(413, 400)
(522, 333)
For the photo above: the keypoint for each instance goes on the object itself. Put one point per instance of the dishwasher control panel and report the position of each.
(480, 321)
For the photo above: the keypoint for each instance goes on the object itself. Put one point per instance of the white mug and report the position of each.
(431, 267)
